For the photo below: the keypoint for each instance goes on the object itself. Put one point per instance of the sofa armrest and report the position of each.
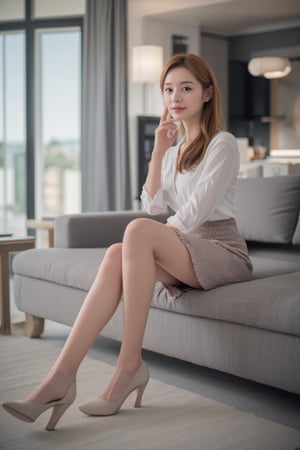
(88, 230)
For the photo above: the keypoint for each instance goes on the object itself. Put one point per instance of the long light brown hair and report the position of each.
(211, 119)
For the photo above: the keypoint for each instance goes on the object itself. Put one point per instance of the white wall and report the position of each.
(288, 107)
(214, 50)
(12, 10)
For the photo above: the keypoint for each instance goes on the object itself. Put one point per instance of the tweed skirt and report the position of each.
(219, 255)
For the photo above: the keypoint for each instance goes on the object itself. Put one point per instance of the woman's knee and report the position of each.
(113, 255)
(138, 228)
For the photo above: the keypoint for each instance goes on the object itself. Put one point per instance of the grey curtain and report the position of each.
(105, 143)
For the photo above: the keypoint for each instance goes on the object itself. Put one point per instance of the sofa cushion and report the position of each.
(274, 217)
(76, 267)
(296, 237)
(271, 303)
(264, 267)
(250, 303)
(284, 252)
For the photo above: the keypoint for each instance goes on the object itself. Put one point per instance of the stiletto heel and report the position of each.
(57, 413)
(29, 411)
(100, 407)
(139, 395)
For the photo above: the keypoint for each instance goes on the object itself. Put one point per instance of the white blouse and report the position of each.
(202, 194)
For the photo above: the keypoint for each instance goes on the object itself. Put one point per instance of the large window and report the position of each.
(12, 133)
(58, 121)
(40, 110)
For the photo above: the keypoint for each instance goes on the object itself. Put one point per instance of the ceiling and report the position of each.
(225, 17)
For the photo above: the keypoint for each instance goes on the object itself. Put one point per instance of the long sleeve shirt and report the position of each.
(205, 193)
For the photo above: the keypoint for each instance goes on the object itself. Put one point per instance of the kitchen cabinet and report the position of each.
(249, 105)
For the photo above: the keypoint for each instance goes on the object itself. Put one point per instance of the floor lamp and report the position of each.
(147, 64)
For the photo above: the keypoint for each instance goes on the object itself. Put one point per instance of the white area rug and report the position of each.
(170, 418)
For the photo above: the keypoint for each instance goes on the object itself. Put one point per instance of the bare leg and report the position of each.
(97, 309)
(151, 252)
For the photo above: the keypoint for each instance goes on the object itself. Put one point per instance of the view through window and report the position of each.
(12, 133)
(58, 120)
(40, 110)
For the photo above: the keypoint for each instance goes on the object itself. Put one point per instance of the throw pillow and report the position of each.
(268, 208)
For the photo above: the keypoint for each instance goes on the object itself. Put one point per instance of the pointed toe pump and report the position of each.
(29, 411)
(100, 407)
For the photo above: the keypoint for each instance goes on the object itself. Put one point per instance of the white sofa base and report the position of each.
(260, 355)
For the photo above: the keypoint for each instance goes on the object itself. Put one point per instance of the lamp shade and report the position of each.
(269, 67)
(147, 63)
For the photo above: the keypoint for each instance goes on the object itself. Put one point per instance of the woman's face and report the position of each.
(184, 95)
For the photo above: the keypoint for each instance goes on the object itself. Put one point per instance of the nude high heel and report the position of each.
(29, 411)
(100, 407)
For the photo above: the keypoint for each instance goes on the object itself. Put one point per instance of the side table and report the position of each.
(43, 224)
(9, 245)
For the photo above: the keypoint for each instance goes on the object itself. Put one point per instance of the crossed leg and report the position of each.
(150, 252)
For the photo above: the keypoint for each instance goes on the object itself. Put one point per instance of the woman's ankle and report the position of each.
(122, 377)
(129, 365)
(53, 387)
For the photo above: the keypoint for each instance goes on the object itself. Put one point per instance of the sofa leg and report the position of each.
(34, 326)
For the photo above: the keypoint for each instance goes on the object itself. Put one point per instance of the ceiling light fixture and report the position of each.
(269, 67)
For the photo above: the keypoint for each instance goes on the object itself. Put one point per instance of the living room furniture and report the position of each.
(269, 167)
(146, 126)
(250, 329)
(7, 246)
(43, 224)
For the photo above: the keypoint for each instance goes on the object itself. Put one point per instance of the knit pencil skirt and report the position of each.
(219, 255)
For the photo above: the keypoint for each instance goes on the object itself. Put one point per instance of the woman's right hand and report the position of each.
(165, 134)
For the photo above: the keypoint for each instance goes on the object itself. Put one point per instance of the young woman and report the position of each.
(199, 246)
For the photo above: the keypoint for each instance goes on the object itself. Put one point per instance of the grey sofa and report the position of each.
(250, 329)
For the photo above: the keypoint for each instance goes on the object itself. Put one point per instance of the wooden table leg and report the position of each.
(51, 237)
(4, 293)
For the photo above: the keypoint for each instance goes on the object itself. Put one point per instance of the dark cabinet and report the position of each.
(249, 97)
(146, 131)
(258, 97)
(237, 90)
(249, 103)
